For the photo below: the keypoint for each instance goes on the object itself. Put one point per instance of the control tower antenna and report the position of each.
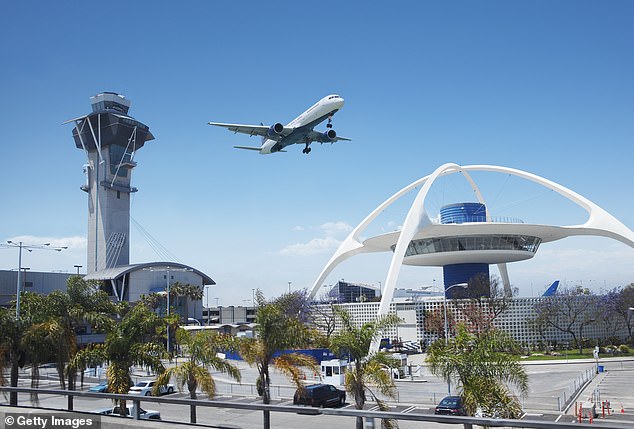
(110, 138)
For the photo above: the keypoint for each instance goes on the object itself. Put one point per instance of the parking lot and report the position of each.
(417, 395)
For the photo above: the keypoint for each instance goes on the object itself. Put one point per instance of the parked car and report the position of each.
(319, 395)
(101, 388)
(451, 405)
(129, 412)
(144, 388)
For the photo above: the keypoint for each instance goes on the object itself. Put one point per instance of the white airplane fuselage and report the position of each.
(305, 123)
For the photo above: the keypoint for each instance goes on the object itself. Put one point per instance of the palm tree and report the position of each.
(486, 366)
(202, 349)
(11, 348)
(278, 328)
(368, 370)
(135, 339)
(60, 314)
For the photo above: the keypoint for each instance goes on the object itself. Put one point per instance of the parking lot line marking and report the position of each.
(408, 410)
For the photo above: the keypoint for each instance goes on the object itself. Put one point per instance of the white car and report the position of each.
(144, 388)
(143, 414)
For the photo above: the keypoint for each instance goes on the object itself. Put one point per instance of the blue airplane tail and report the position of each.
(552, 290)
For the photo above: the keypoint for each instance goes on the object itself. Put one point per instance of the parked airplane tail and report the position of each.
(552, 289)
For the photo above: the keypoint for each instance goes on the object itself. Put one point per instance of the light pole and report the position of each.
(78, 267)
(28, 247)
(289, 287)
(207, 303)
(168, 269)
(444, 296)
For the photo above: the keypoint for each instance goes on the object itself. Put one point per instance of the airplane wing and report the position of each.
(254, 130)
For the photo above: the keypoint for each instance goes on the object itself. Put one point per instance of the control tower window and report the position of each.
(117, 156)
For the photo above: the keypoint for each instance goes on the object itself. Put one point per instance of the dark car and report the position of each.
(319, 395)
(451, 405)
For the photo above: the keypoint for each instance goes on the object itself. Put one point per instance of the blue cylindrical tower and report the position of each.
(462, 273)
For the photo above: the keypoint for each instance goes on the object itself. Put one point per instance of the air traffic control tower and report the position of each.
(110, 138)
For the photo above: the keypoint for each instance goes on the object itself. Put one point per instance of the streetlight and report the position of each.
(78, 267)
(168, 269)
(289, 287)
(29, 248)
(207, 303)
(444, 296)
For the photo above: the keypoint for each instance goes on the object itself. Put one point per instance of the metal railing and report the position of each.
(368, 416)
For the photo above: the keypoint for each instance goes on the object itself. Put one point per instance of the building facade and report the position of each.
(516, 320)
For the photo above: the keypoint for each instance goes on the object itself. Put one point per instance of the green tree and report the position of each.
(279, 328)
(59, 316)
(486, 366)
(625, 301)
(369, 370)
(202, 354)
(569, 311)
(136, 338)
(11, 347)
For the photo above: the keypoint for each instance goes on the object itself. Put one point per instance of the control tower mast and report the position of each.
(110, 139)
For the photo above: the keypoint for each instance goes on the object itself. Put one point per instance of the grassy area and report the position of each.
(572, 354)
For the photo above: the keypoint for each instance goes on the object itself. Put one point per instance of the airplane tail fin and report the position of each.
(552, 290)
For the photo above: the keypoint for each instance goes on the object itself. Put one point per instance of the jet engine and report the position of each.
(329, 136)
(275, 130)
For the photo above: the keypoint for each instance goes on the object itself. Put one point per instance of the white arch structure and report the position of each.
(419, 225)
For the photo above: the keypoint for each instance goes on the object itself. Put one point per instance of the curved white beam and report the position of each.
(599, 223)
(352, 245)
(415, 220)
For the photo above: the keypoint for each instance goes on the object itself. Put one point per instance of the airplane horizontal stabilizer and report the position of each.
(248, 148)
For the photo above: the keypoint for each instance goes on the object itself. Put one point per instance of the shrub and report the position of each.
(624, 348)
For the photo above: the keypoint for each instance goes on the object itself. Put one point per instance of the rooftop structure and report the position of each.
(423, 242)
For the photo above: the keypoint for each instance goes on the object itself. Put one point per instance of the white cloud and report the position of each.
(313, 247)
(298, 228)
(335, 229)
(41, 260)
(332, 234)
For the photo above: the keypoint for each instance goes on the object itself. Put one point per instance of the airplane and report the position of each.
(299, 131)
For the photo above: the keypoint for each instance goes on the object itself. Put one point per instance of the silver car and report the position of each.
(129, 412)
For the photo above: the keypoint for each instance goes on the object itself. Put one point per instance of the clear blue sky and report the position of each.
(546, 87)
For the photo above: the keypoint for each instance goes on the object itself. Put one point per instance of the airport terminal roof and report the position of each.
(116, 272)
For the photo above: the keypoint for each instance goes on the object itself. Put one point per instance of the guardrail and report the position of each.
(368, 416)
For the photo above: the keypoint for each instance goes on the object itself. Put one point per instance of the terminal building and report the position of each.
(465, 242)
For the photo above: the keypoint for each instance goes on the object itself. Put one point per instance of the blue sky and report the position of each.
(541, 86)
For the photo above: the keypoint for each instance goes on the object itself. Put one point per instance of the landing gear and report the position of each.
(306, 150)
(329, 124)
